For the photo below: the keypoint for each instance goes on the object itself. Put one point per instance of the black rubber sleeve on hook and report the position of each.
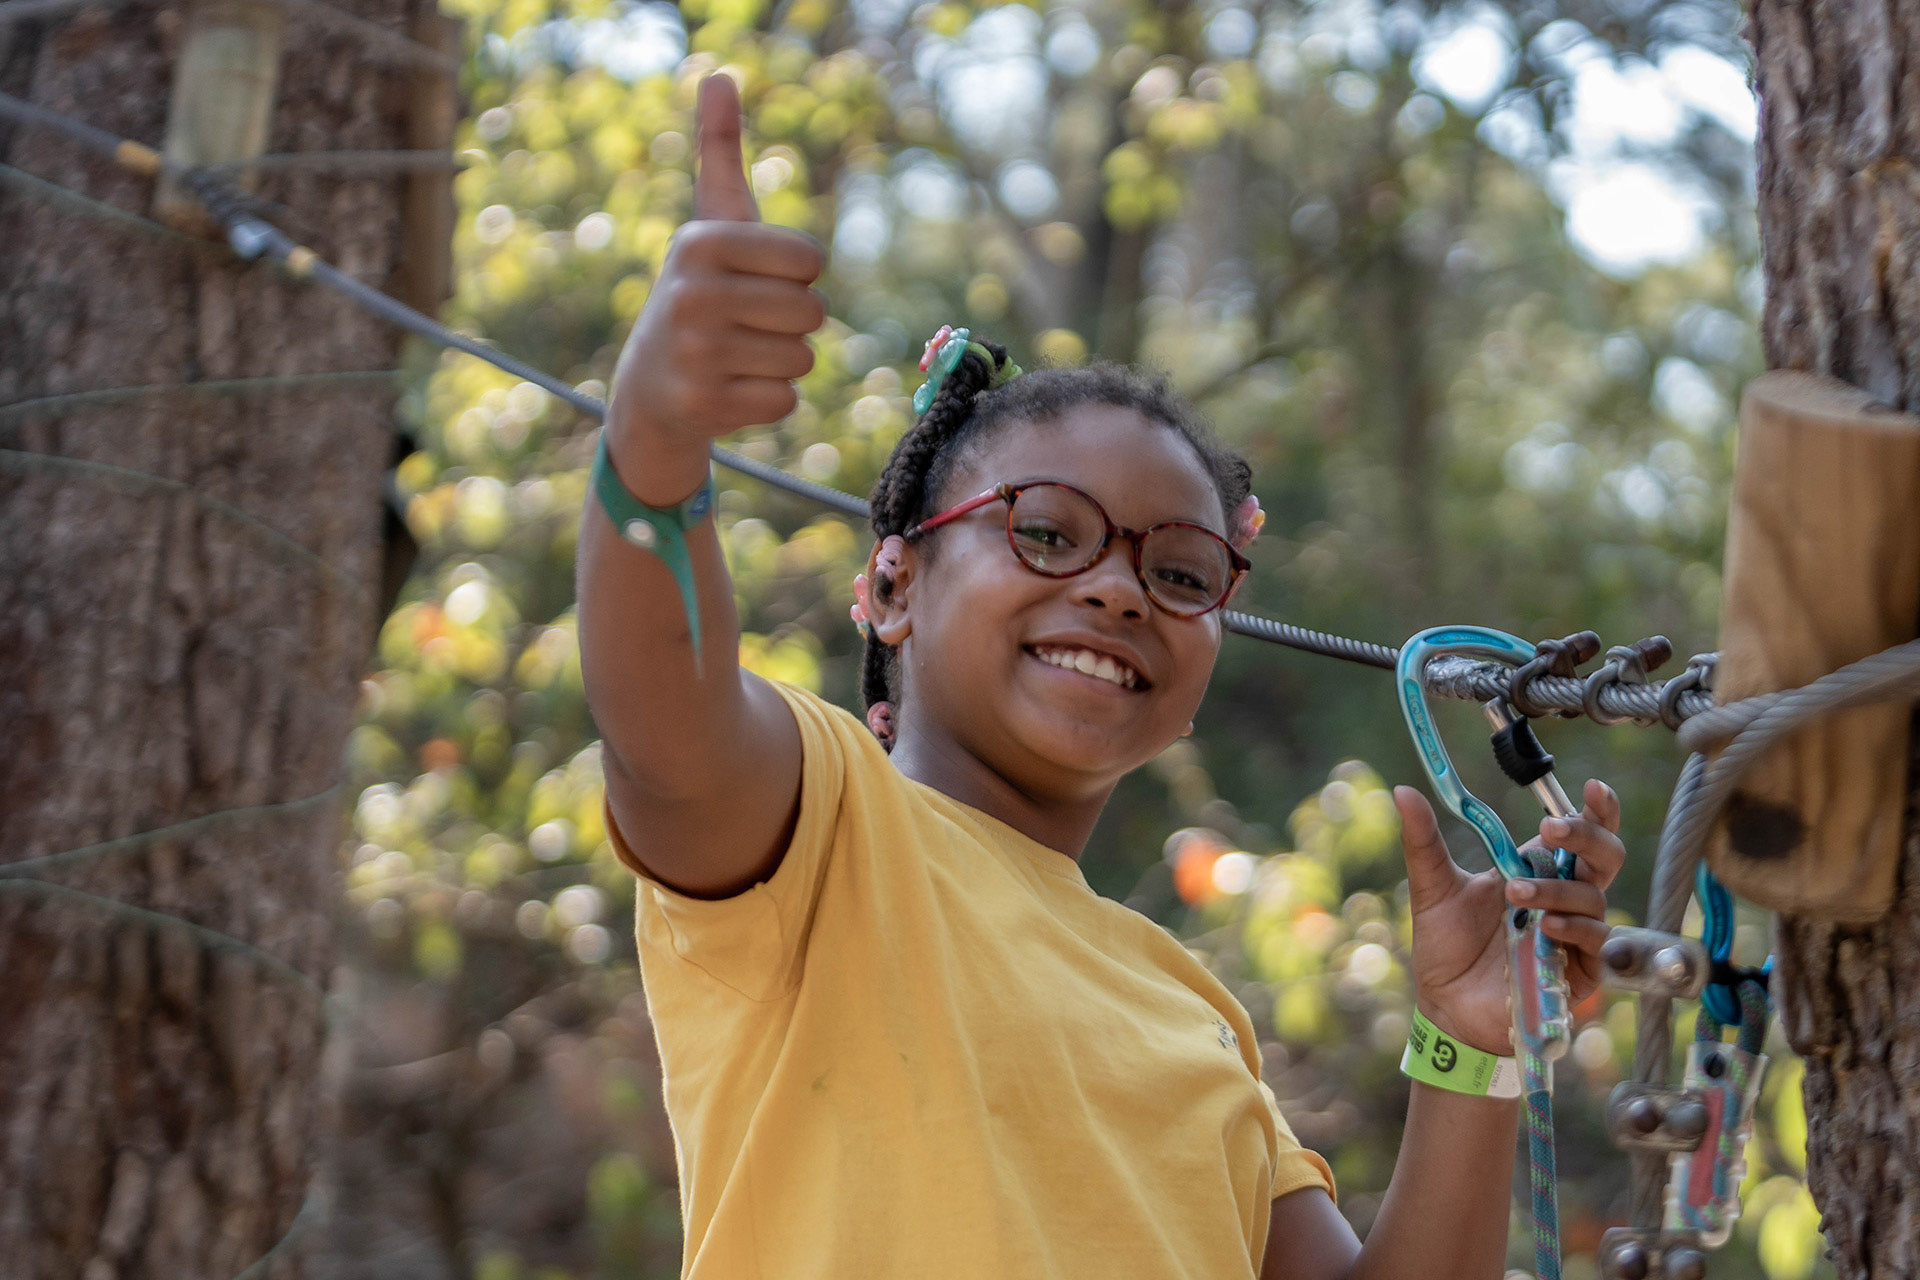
(1520, 755)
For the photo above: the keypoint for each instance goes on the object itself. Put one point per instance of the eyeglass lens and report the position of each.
(1058, 531)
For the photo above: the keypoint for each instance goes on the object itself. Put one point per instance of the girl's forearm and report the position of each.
(1447, 1209)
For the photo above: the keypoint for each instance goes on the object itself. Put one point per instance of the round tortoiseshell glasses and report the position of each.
(1058, 531)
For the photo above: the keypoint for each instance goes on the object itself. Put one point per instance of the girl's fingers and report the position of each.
(1600, 853)
(1583, 934)
(1602, 805)
(1569, 897)
(770, 305)
(762, 355)
(757, 400)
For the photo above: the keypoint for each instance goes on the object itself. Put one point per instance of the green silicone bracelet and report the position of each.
(663, 532)
(1435, 1058)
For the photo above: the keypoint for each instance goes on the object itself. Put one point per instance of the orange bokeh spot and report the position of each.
(429, 623)
(1193, 872)
(439, 753)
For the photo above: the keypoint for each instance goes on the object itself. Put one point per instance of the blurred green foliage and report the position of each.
(1365, 283)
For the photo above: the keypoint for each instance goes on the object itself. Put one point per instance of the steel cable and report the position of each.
(72, 401)
(251, 237)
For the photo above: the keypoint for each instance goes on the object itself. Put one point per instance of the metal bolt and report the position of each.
(1672, 965)
(1685, 1264)
(1622, 955)
(1687, 1120)
(1642, 1115)
(1653, 652)
(1583, 645)
(1628, 1262)
(642, 534)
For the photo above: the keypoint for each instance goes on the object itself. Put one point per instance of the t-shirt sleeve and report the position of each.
(754, 941)
(1295, 1168)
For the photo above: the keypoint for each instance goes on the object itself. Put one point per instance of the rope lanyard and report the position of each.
(1536, 965)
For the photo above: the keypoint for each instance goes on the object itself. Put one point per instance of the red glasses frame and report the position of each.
(1008, 493)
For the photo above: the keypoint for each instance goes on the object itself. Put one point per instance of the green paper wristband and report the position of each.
(1436, 1058)
(663, 532)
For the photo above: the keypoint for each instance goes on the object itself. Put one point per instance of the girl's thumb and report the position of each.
(1431, 873)
(720, 189)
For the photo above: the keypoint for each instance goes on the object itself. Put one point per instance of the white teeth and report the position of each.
(1098, 665)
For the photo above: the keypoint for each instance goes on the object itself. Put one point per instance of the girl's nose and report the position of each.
(1112, 583)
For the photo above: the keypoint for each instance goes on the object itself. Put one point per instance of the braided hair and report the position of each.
(966, 413)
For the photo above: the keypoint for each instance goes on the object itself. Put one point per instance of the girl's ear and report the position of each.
(890, 570)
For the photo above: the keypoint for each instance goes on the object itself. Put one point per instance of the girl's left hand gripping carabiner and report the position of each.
(1536, 966)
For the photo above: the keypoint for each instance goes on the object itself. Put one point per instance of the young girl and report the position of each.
(900, 1036)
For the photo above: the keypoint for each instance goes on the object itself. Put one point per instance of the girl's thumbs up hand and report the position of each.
(724, 330)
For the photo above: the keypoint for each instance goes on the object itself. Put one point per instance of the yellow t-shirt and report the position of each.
(925, 1048)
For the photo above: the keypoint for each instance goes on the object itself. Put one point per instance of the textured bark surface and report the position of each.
(1839, 86)
(163, 658)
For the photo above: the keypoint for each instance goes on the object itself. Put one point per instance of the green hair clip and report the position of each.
(942, 357)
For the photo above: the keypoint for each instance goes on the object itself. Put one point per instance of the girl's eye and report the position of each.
(1043, 535)
(1186, 579)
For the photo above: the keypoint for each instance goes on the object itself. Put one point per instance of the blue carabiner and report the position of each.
(1409, 675)
(1536, 965)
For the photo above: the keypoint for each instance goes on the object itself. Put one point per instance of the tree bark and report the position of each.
(188, 601)
(1839, 87)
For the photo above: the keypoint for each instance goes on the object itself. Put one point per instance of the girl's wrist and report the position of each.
(659, 466)
(1436, 1058)
(1438, 1015)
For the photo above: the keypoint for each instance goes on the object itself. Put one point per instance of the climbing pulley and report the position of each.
(1703, 1125)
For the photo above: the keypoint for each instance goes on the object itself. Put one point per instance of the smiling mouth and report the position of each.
(1100, 666)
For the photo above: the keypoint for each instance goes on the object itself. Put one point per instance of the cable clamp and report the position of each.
(1550, 658)
(1626, 664)
(1655, 963)
(1651, 1117)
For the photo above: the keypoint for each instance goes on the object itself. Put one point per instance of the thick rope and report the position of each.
(1750, 727)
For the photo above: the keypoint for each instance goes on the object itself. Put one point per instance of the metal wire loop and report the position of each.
(1626, 664)
(1698, 675)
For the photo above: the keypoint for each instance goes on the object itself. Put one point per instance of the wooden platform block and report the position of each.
(1822, 569)
(221, 110)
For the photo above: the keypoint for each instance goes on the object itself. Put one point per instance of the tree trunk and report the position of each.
(189, 598)
(1840, 223)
